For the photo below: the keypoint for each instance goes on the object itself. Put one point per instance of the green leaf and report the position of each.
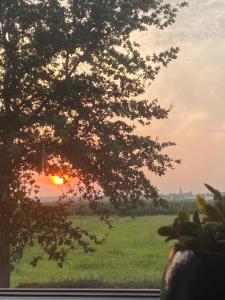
(183, 216)
(196, 218)
(222, 204)
(213, 213)
(221, 242)
(216, 194)
(170, 238)
(167, 231)
(186, 242)
(201, 203)
(189, 229)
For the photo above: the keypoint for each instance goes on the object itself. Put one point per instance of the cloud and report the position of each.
(194, 83)
(191, 127)
(202, 20)
(219, 134)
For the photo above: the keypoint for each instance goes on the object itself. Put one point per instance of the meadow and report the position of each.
(133, 256)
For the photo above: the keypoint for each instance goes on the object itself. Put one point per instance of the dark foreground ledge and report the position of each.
(84, 294)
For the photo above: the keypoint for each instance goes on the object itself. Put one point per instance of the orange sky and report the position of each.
(195, 85)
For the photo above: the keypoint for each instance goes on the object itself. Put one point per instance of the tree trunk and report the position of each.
(4, 230)
(5, 213)
(4, 261)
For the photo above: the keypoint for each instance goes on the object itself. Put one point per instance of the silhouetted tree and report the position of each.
(71, 77)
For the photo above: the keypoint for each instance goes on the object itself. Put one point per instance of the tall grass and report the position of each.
(133, 256)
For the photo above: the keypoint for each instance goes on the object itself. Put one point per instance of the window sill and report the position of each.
(44, 294)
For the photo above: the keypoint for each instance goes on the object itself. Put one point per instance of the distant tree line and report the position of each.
(146, 208)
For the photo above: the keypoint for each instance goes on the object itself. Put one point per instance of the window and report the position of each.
(83, 172)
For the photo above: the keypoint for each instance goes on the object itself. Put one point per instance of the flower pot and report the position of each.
(191, 276)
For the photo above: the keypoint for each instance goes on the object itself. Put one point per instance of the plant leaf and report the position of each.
(186, 242)
(189, 229)
(183, 216)
(201, 203)
(222, 204)
(167, 231)
(170, 238)
(196, 218)
(216, 194)
(213, 213)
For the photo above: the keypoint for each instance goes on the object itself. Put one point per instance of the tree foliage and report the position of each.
(71, 81)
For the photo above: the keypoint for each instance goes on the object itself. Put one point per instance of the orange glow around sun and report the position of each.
(59, 180)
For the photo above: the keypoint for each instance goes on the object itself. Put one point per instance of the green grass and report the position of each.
(132, 256)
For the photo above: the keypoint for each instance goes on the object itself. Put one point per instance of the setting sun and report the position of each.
(59, 180)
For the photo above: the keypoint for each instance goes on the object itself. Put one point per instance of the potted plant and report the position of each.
(196, 266)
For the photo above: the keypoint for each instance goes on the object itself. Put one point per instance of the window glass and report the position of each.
(91, 165)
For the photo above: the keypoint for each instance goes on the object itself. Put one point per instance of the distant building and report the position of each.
(180, 196)
(207, 196)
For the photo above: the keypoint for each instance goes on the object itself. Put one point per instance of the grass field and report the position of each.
(133, 256)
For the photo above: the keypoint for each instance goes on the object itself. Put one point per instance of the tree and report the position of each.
(71, 78)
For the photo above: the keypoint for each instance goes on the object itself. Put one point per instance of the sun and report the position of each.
(59, 180)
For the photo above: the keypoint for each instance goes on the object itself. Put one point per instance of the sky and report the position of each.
(195, 84)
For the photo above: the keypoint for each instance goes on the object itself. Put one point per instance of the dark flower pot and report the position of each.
(190, 276)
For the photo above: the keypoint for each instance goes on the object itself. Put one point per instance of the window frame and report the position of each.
(153, 294)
